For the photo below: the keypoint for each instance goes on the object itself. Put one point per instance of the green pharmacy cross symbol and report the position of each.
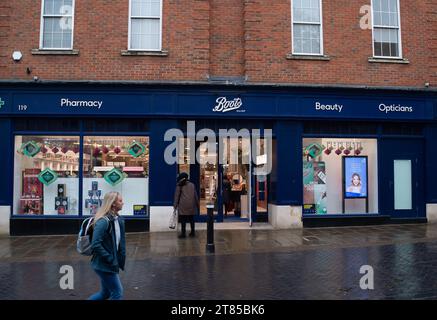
(47, 176)
(114, 177)
(2, 103)
(136, 149)
(30, 149)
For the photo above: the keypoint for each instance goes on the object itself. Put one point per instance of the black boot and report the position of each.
(183, 234)
(192, 226)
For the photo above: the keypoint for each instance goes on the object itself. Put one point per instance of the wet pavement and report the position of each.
(252, 264)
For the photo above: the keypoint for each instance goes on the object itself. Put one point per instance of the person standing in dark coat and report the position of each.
(186, 202)
(226, 194)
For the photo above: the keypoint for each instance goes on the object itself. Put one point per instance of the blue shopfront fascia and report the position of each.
(191, 104)
(203, 103)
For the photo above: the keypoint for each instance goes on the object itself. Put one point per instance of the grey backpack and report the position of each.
(85, 237)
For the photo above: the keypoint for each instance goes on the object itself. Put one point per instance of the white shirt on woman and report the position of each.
(117, 232)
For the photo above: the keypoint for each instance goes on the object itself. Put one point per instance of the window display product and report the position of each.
(32, 193)
(309, 209)
(140, 210)
(320, 198)
(32, 187)
(319, 172)
(314, 187)
(61, 201)
(94, 202)
(314, 150)
(308, 187)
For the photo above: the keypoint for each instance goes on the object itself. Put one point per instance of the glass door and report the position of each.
(208, 181)
(260, 183)
(260, 197)
(236, 182)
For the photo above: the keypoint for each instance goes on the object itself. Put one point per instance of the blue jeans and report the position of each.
(111, 287)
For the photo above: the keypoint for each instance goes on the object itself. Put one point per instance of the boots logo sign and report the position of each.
(225, 105)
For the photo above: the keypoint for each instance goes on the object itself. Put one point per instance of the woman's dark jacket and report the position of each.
(226, 191)
(105, 255)
(186, 199)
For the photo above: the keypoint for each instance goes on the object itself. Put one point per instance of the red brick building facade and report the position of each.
(317, 83)
(203, 40)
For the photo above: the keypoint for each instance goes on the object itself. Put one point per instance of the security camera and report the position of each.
(17, 55)
(427, 84)
(35, 78)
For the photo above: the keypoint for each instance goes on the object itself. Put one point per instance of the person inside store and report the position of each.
(236, 190)
(355, 186)
(186, 202)
(227, 194)
(109, 247)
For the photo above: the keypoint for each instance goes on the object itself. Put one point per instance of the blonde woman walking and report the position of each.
(109, 248)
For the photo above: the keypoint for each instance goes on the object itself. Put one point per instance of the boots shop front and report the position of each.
(275, 156)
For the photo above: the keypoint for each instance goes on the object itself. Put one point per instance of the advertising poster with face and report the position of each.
(355, 177)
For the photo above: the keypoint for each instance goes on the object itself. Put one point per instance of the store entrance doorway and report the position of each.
(226, 185)
(230, 185)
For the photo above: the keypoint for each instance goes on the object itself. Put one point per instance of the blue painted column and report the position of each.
(286, 178)
(6, 161)
(162, 177)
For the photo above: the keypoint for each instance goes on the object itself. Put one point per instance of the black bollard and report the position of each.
(210, 248)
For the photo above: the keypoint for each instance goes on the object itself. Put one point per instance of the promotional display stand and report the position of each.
(355, 182)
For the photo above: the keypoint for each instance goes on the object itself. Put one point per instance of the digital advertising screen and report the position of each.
(355, 177)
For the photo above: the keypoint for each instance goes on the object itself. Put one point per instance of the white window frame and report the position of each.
(41, 37)
(387, 27)
(144, 17)
(308, 23)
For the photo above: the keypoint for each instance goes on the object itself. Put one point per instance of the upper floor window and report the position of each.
(145, 23)
(386, 28)
(57, 19)
(307, 27)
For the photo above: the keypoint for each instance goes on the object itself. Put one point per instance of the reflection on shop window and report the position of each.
(339, 176)
(46, 175)
(116, 164)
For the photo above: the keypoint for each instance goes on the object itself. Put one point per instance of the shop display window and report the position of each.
(116, 163)
(46, 170)
(339, 176)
